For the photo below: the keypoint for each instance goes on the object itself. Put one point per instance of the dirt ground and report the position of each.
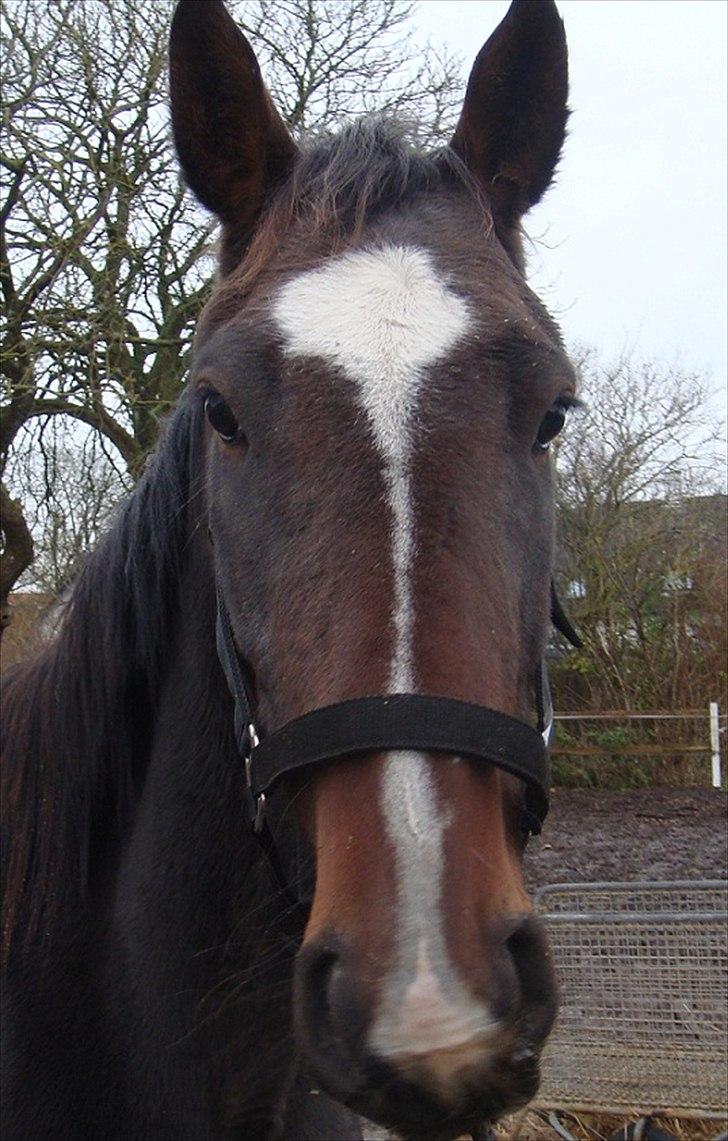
(651, 834)
(530, 1126)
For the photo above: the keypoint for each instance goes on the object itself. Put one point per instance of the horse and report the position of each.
(267, 789)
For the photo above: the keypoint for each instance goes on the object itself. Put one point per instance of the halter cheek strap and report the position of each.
(544, 703)
(228, 655)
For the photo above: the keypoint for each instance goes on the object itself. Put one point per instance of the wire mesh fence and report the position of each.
(643, 969)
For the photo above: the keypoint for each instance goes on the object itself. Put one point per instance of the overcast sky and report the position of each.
(632, 250)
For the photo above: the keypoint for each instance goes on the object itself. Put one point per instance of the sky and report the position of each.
(630, 242)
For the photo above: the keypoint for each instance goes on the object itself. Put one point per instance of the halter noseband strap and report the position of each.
(396, 721)
(405, 721)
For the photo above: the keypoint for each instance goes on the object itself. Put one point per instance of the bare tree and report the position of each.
(103, 265)
(643, 538)
(101, 273)
(71, 489)
(326, 62)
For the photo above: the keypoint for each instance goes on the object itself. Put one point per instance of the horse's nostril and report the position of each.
(327, 1017)
(529, 952)
(315, 971)
(526, 946)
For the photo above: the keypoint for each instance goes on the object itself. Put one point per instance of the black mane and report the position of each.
(71, 744)
(370, 165)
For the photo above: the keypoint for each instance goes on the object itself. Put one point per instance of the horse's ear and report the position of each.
(513, 121)
(232, 143)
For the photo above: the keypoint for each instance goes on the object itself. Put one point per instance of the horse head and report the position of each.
(381, 388)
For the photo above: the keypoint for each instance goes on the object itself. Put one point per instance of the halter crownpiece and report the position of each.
(395, 721)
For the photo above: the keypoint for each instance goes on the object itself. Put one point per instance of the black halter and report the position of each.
(395, 721)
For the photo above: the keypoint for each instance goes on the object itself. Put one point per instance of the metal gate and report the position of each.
(643, 1024)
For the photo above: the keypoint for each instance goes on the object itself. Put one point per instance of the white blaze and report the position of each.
(382, 316)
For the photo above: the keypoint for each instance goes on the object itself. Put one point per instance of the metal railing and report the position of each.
(643, 1024)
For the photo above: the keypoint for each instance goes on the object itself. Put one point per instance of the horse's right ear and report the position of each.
(232, 143)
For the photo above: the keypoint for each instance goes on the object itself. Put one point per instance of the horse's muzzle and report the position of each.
(435, 1090)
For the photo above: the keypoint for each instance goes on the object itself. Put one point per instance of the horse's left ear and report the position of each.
(513, 121)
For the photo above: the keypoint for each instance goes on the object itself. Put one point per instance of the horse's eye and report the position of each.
(222, 418)
(551, 425)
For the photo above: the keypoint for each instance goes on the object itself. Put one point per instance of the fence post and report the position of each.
(715, 743)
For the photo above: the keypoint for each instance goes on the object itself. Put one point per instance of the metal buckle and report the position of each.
(251, 741)
(259, 813)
